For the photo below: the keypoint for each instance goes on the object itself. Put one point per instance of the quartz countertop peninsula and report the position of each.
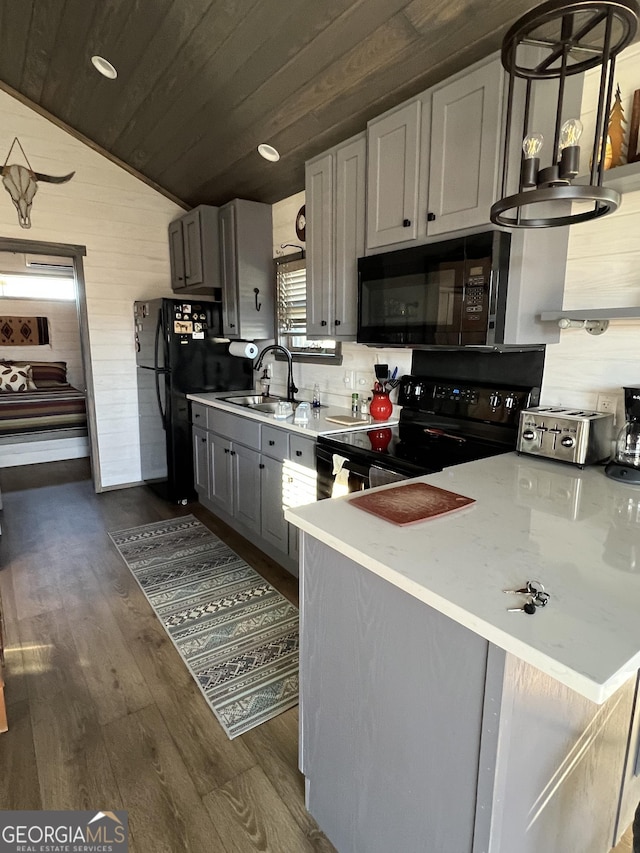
(317, 425)
(576, 531)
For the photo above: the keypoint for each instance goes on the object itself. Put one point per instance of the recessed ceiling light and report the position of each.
(268, 152)
(104, 67)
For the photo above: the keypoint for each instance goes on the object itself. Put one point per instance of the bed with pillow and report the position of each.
(37, 402)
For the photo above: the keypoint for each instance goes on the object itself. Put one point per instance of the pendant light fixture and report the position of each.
(555, 41)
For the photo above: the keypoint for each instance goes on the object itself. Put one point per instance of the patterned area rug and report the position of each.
(237, 634)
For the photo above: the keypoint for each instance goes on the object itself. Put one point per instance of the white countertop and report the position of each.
(317, 425)
(577, 532)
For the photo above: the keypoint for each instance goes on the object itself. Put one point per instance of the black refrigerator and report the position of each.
(178, 354)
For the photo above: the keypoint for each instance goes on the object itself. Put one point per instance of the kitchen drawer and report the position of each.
(275, 442)
(199, 415)
(243, 430)
(302, 451)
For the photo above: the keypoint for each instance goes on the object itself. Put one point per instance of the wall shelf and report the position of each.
(593, 320)
(624, 179)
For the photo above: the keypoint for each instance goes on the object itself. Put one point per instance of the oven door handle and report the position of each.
(379, 476)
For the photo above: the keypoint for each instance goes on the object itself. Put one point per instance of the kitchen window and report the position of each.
(291, 300)
(37, 287)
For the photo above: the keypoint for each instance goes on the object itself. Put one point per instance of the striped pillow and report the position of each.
(13, 378)
(46, 374)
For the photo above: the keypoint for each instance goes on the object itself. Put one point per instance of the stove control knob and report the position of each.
(495, 400)
(529, 434)
(567, 441)
(511, 401)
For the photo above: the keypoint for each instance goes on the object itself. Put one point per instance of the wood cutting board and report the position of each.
(411, 503)
(346, 420)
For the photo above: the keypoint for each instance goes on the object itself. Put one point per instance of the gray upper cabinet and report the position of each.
(246, 264)
(433, 164)
(464, 150)
(392, 176)
(335, 204)
(194, 252)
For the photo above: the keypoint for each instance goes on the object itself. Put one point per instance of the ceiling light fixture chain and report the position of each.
(577, 35)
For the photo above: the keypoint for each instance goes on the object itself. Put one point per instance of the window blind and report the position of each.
(292, 297)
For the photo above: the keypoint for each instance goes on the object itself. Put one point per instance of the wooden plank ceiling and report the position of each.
(202, 82)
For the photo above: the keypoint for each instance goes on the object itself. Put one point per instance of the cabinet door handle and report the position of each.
(298, 453)
(261, 465)
(336, 322)
(271, 442)
(406, 223)
(323, 322)
(430, 216)
(232, 325)
(180, 278)
(226, 450)
(203, 440)
(233, 453)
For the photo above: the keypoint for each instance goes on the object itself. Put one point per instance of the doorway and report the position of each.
(75, 254)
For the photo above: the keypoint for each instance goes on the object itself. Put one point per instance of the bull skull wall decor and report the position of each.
(21, 182)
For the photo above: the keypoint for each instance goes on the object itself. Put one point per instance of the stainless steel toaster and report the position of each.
(568, 435)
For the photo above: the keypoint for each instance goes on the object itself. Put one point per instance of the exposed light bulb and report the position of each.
(570, 133)
(532, 145)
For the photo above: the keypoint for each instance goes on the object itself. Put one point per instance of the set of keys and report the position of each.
(537, 597)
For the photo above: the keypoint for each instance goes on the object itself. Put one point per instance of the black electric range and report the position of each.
(442, 423)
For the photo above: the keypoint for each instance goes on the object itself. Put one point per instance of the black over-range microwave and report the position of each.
(449, 293)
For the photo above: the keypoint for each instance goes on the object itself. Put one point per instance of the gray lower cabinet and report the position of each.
(274, 528)
(201, 461)
(247, 473)
(245, 486)
(234, 479)
(220, 485)
(419, 735)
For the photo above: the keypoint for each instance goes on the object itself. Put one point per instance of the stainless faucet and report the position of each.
(291, 388)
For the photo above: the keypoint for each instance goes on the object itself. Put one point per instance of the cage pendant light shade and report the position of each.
(554, 42)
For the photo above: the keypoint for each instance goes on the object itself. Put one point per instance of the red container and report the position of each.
(381, 407)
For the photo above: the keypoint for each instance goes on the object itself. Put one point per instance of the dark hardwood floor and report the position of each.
(102, 711)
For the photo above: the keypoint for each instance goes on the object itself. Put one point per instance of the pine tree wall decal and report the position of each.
(616, 131)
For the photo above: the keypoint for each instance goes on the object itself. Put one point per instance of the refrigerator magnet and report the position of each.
(183, 327)
(198, 335)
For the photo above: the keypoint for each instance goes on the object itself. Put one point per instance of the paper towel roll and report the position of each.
(243, 349)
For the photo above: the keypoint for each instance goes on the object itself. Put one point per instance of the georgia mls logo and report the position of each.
(63, 832)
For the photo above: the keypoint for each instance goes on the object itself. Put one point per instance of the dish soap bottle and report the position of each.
(264, 383)
(316, 396)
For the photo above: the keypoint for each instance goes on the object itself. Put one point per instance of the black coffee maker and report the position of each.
(626, 462)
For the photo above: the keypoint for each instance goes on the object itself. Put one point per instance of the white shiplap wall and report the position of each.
(64, 334)
(123, 224)
(603, 271)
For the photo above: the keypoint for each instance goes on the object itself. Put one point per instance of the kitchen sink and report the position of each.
(253, 401)
(270, 407)
(261, 403)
